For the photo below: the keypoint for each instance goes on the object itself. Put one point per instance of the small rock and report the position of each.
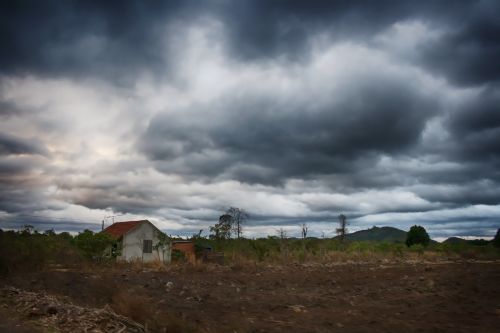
(35, 311)
(298, 308)
(169, 284)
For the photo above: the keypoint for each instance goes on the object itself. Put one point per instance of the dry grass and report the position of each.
(132, 305)
(141, 309)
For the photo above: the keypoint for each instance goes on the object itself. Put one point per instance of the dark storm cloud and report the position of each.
(22, 188)
(360, 137)
(468, 52)
(260, 29)
(119, 39)
(13, 145)
(476, 125)
(114, 39)
(266, 143)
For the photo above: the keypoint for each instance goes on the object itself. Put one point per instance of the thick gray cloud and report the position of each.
(297, 111)
(260, 140)
(13, 145)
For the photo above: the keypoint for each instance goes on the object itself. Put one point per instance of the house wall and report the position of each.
(132, 245)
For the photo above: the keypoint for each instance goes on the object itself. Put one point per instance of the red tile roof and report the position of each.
(117, 230)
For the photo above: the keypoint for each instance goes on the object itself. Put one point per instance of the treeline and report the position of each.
(28, 249)
(277, 249)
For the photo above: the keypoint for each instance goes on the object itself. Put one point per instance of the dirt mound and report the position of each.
(58, 313)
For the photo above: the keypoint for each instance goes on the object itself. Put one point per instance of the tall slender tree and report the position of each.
(304, 230)
(342, 230)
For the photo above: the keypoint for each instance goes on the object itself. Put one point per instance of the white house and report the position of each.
(138, 240)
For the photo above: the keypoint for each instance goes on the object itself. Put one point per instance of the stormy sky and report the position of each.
(296, 111)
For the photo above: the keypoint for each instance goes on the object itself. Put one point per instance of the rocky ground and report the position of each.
(345, 297)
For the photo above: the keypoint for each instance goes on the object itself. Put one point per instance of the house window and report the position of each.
(147, 246)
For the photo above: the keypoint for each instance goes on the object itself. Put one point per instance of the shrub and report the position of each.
(92, 245)
(417, 235)
(22, 250)
(418, 248)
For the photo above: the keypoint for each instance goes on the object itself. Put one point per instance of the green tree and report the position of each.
(417, 235)
(92, 245)
(496, 240)
(222, 230)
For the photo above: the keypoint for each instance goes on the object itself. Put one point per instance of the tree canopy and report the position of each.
(417, 235)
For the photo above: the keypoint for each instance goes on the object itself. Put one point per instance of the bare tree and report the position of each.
(281, 233)
(342, 230)
(239, 217)
(304, 229)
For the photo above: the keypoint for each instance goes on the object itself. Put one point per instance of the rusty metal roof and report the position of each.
(118, 229)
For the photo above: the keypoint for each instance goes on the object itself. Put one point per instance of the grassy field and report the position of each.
(31, 250)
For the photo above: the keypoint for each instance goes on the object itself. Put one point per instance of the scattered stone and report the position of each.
(298, 308)
(59, 313)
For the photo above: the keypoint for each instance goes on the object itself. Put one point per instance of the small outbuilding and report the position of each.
(139, 240)
(187, 248)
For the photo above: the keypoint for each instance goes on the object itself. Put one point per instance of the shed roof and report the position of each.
(118, 229)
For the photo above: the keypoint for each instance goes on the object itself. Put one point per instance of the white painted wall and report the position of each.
(132, 245)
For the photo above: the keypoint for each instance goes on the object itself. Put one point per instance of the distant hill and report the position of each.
(382, 234)
(454, 240)
(458, 240)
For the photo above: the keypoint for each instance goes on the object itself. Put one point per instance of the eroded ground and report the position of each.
(353, 297)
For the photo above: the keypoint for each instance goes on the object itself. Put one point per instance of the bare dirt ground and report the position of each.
(349, 297)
